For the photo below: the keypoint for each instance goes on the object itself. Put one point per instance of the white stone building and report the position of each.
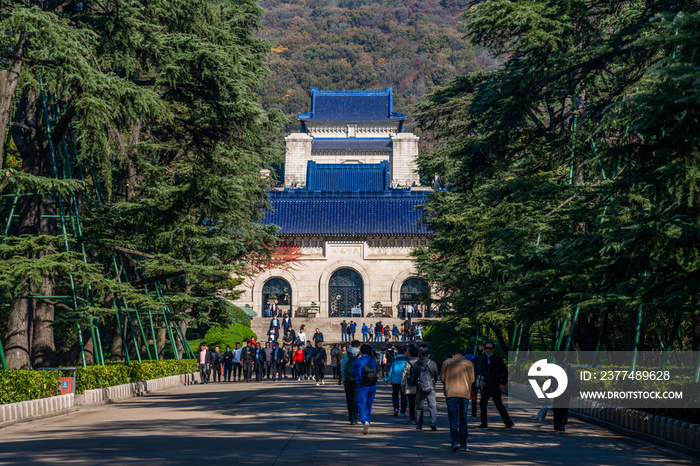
(342, 206)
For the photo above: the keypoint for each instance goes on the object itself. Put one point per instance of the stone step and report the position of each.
(329, 326)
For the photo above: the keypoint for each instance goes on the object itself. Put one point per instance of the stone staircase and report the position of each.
(329, 326)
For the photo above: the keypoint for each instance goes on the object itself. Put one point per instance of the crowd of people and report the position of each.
(408, 368)
(378, 332)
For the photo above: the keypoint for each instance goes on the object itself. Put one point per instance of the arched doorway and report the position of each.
(345, 293)
(413, 292)
(278, 292)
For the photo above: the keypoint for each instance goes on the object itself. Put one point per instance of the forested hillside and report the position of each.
(362, 44)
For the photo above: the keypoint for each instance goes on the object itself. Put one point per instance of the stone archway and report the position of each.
(325, 279)
(263, 278)
(396, 287)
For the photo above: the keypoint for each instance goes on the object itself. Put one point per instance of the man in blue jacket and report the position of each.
(365, 332)
(366, 378)
(394, 377)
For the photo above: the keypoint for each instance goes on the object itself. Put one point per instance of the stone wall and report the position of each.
(383, 263)
(404, 169)
(298, 154)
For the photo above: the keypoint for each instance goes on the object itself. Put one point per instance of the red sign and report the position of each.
(66, 385)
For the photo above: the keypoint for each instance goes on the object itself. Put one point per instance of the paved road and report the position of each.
(296, 423)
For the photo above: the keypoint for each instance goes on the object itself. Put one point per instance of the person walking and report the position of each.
(334, 360)
(424, 375)
(301, 336)
(370, 332)
(365, 371)
(352, 353)
(406, 387)
(477, 362)
(228, 363)
(275, 322)
(343, 331)
(560, 408)
(277, 359)
(308, 361)
(364, 331)
(318, 337)
(341, 355)
(494, 377)
(237, 368)
(247, 358)
(299, 365)
(457, 379)
(319, 362)
(204, 359)
(268, 360)
(394, 378)
(259, 362)
(286, 323)
(216, 364)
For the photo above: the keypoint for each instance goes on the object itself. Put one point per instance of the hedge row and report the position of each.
(18, 386)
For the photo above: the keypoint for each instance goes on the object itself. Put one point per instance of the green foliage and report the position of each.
(119, 373)
(163, 120)
(224, 336)
(446, 336)
(16, 386)
(571, 172)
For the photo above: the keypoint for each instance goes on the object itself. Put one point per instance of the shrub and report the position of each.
(224, 336)
(16, 386)
(118, 373)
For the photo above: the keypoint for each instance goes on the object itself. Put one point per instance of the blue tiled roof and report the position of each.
(369, 144)
(306, 213)
(344, 177)
(352, 106)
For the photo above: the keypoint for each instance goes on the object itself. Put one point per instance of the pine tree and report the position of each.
(572, 168)
(161, 99)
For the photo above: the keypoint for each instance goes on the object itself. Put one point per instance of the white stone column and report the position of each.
(404, 169)
(298, 154)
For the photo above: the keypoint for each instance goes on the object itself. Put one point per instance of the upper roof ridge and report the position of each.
(352, 106)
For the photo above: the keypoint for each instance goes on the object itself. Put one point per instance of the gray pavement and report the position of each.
(293, 423)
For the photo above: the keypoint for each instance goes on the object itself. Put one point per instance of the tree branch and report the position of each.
(120, 249)
(31, 61)
(61, 127)
(5, 180)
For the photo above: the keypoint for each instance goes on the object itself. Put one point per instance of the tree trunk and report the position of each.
(117, 346)
(8, 84)
(160, 342)
(132, 179)
(501, 341)
(17, 337)
(43, 345)
(19, 325)
(72, 356)
(696, 330)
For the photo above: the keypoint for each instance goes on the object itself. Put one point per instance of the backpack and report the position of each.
(425, 380)
(298, 342)
(369, 375)
(347, 375)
